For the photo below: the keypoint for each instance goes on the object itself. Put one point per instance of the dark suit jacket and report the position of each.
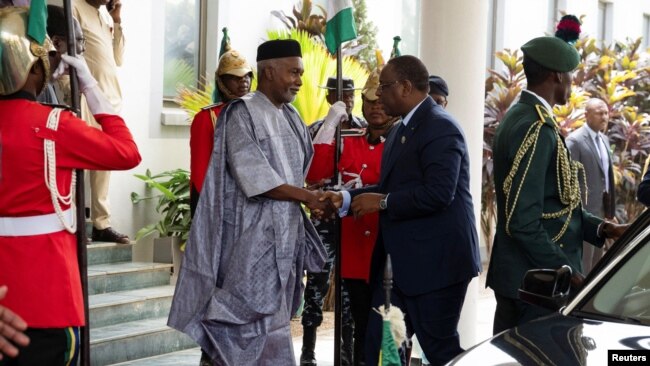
(583, 149)
(529, 244)
(643, 194)
(428, 228)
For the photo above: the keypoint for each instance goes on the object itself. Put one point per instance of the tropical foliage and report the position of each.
(312, 18)
(619, 74)
(303, 19)
(366, 35)
(173, 203)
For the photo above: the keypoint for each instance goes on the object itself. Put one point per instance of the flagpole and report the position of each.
(82, 258)
(338, 308)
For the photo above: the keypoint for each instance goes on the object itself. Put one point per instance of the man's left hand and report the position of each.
(366, 203)
(614, 231)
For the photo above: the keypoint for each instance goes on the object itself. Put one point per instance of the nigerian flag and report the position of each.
(340, 24)
(37, 21)
(388, 356)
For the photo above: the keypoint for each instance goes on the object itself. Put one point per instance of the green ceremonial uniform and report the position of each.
(540, 220)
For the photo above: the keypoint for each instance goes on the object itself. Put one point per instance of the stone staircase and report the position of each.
(129, 304)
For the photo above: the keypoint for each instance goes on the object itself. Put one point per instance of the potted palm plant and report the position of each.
(172, 192)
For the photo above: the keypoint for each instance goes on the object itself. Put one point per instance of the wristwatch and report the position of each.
(383, 203)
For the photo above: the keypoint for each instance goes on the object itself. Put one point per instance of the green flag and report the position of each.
(225, 47)
(340, 24)
(37, 21)
(225, 42)
(396, 52)
(388, 356)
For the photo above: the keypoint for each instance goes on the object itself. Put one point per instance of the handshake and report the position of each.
(324, 205)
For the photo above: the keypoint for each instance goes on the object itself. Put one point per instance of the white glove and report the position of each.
(97, 102)
(335, 116)
(85, 78)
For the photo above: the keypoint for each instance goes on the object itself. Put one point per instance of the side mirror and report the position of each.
(547, 288)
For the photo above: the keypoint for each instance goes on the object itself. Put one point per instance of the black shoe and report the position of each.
(307, 356)
(205, 359)
(110, 235)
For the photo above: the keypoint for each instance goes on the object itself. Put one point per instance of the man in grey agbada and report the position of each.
(240, 280)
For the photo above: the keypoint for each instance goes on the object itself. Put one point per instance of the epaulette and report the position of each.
(545, 115)
(211, 106)
(353, 132)
(61, 106)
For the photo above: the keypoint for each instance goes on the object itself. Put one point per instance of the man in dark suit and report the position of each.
(643, 192)
(426, 216)
(590, 146)
(540, 219)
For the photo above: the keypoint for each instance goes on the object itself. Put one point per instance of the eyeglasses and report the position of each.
(383, 86)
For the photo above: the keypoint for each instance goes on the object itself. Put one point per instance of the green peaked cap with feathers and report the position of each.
(552, 53)
(557, 53)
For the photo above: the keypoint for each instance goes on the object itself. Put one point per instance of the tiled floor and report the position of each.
(486, 306)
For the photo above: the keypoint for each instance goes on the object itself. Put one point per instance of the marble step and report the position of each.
(125, 306)
(189, 357)
(122, 276)
(135, 340)
(101, 253)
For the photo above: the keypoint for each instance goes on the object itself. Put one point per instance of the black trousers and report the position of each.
(318, 283)
(513, 312)
(47, 347)
(433, 317)
(360, 302)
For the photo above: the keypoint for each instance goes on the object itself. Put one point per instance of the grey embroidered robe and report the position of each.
(241, 276)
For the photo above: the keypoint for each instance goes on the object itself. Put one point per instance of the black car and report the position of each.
(610, 312)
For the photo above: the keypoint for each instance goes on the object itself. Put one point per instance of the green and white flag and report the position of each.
(37, 21)
(393, 336)
(389, 354)
(340, 24)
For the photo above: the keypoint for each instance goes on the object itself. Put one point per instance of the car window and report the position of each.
(626, 293)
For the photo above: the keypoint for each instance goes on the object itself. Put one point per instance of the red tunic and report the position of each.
(41, 270)
(201, 143)
(359, 158)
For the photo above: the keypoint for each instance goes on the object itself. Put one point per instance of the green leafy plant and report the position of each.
(173, 203)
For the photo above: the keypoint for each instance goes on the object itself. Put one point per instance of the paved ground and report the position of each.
(325, 337)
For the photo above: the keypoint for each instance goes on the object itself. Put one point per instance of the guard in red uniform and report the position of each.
(359, 165)
(232, 80)
(40, 146)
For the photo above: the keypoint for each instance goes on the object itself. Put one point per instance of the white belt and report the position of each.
(33, 225)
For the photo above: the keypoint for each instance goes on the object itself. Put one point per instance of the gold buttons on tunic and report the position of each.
(367, 233)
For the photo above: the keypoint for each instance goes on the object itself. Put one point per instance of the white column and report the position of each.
(453, 43)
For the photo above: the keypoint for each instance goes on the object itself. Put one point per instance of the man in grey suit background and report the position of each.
(590, 146)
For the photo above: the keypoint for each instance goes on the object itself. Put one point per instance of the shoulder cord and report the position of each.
(567, 177)
(50, 176)
(213, 118)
